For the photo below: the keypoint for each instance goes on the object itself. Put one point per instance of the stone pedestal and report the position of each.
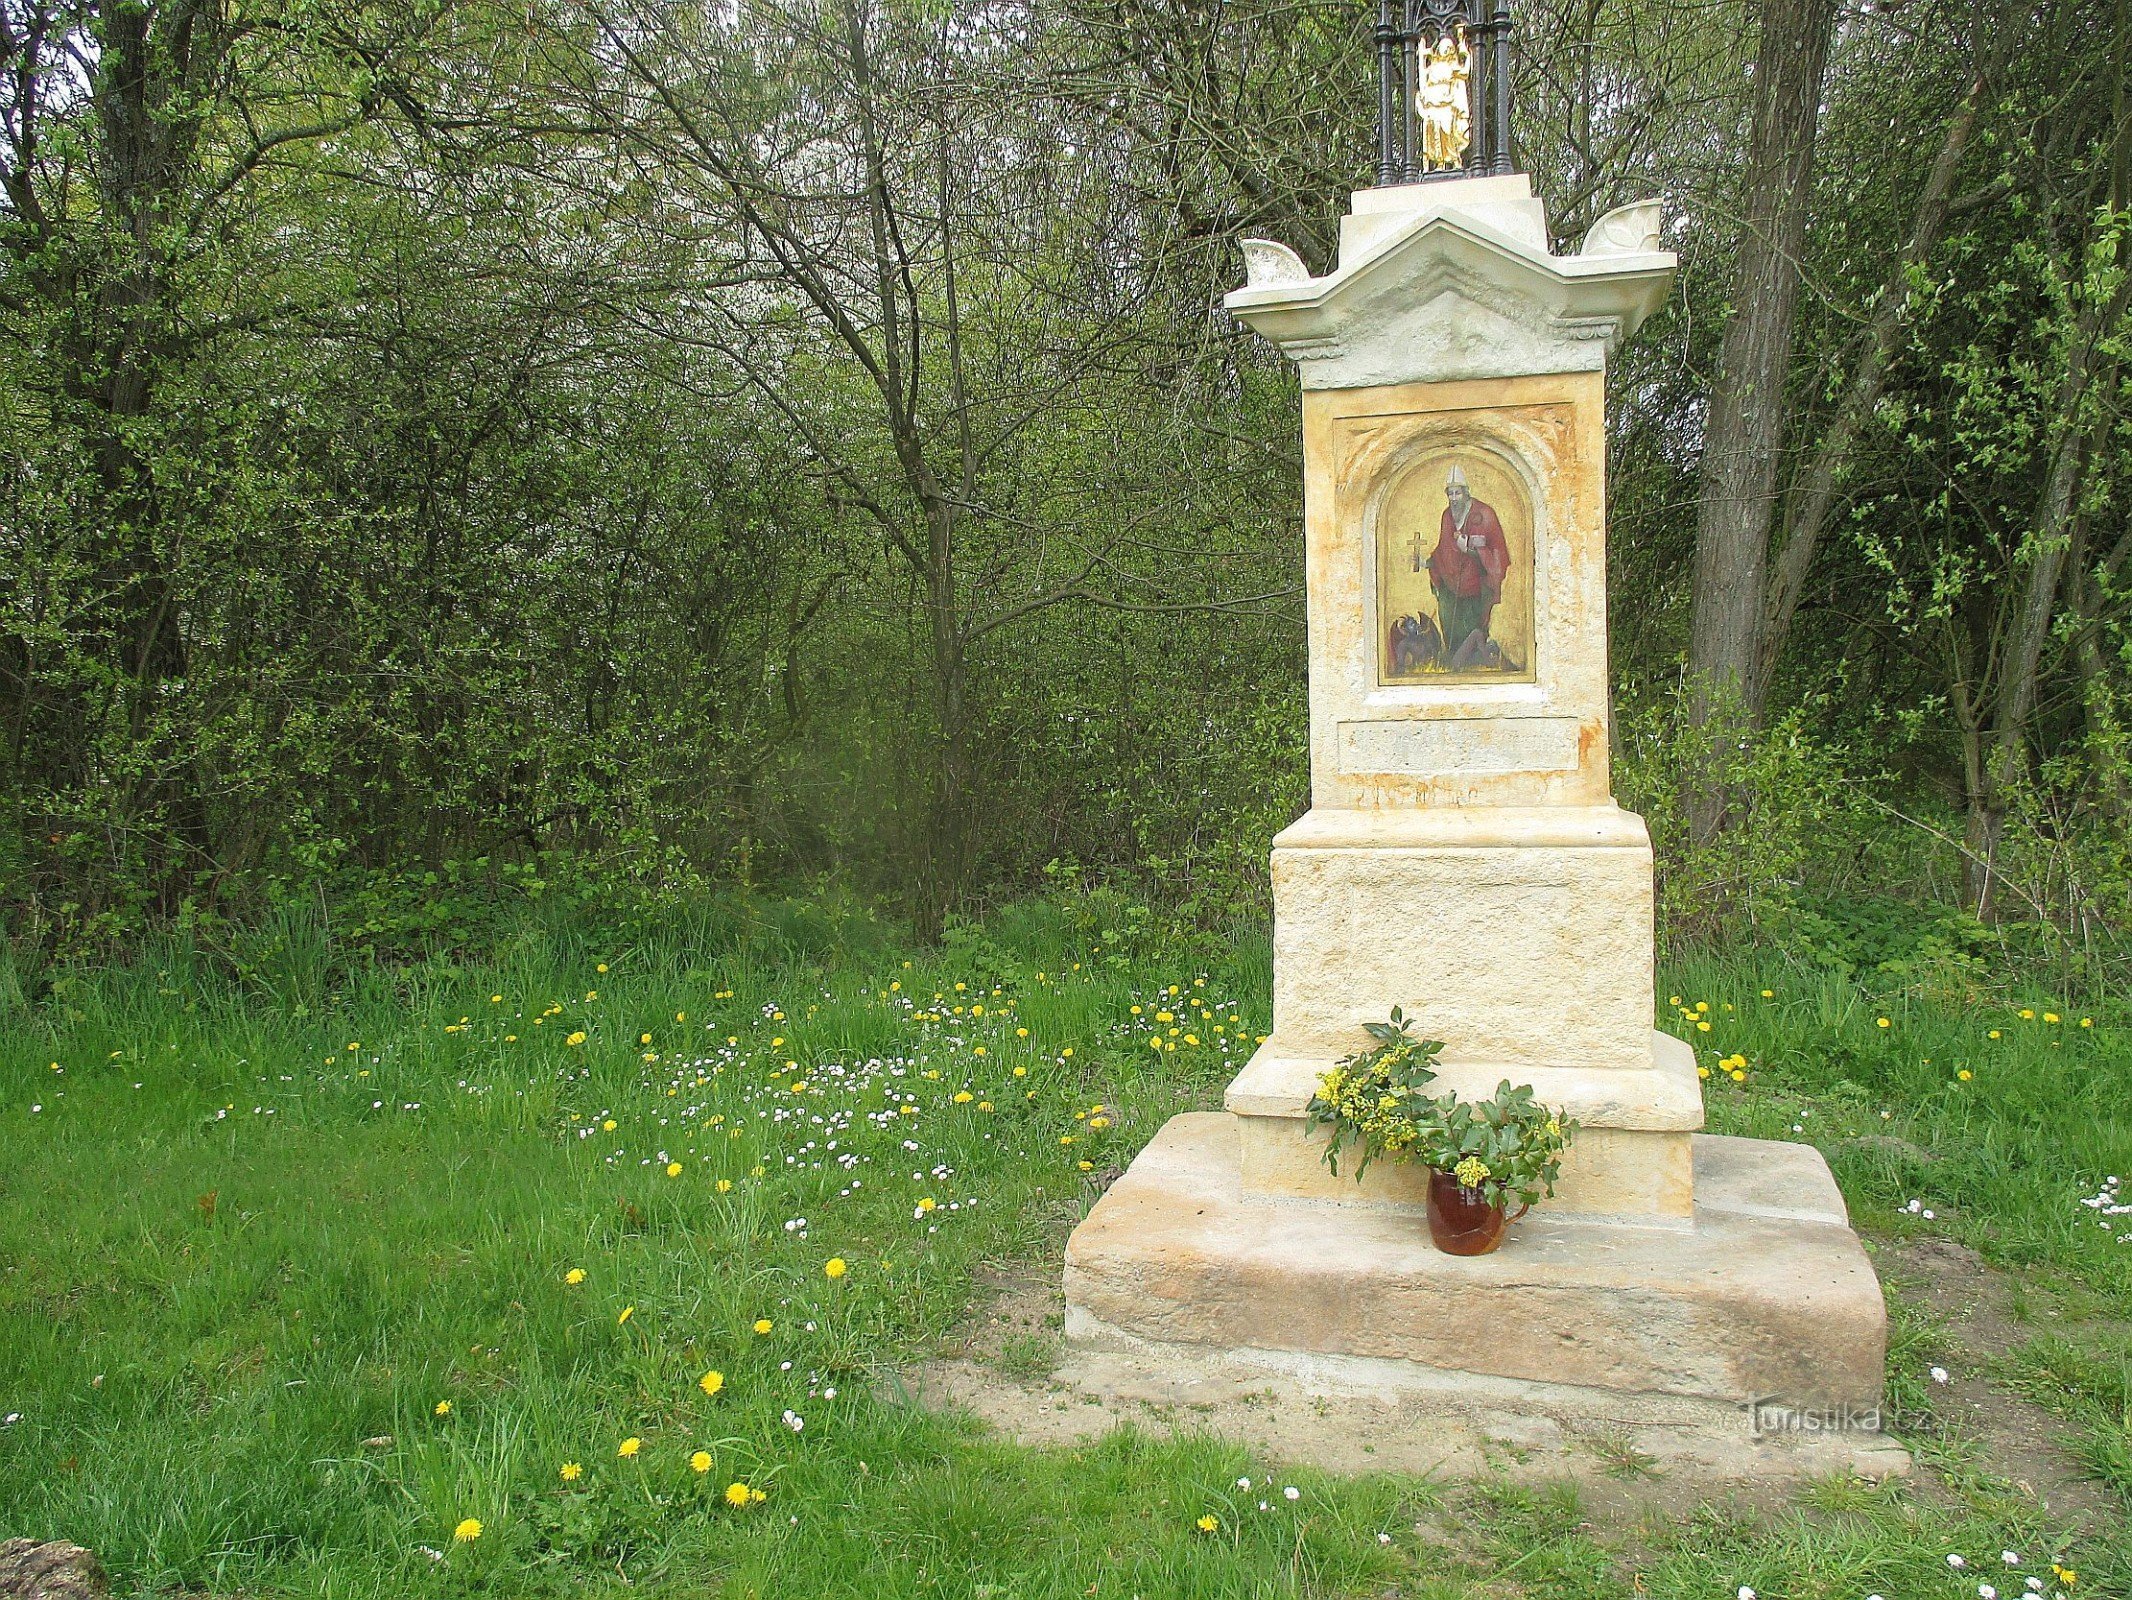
(1464, 860)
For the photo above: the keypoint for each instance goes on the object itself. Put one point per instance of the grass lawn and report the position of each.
(290, 1293)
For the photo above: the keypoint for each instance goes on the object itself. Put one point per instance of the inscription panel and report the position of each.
(1441, 746)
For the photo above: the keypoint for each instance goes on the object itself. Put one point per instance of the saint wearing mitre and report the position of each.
(1466, 571)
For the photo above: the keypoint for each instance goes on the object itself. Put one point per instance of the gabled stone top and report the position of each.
(1453, 280)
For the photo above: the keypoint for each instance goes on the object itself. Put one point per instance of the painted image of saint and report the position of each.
(1454, 547)
(1466, 573)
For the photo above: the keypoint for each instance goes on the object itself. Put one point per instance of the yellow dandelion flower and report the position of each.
(926, 1204)
(2050, 1016)
(577, 1037)
(607, 1126)
(1209, 1523)
(443, 1408)
(711, 1382)
(627, 1313)
(1769, 994)
(737, 1494)
(764, 1324)
(673, 1169)
(2025, 1014)
(572, 1472)
(629, 1447)
(574, 1276)
(700, 1462)
(1993, 1034)
(1965, 1075)
(601, 969)
(1882, 1022)
(1021, 1072)
(1099, 1122)
(834, 1267)
(1702, 1027)
(724, 1186)
(467, 1531)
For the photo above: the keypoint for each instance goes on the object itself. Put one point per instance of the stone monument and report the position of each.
(1463, 858)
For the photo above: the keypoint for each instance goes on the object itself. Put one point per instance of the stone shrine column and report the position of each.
(1463, 857)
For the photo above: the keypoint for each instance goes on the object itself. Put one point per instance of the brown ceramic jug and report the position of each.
(1465, 1222)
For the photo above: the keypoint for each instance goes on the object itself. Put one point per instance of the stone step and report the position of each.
(1768, 1296)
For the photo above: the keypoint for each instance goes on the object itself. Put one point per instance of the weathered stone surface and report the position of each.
(1453, 279)
(1515, 953)
(1740, 1306)
(1529, 741)
(50, 1569)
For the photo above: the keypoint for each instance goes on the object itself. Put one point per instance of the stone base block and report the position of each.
(1512, 934)
(1633, 1157)
(1767, 1297)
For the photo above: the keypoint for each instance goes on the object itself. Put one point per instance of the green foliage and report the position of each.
(1789, 807)
(1509, 1146)
(1376, 1098)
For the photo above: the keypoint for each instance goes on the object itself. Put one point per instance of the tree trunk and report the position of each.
(1739, 463)
(1810, 504)
(2085, 393)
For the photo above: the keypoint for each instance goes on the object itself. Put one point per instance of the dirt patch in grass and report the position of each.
(1983, 1425)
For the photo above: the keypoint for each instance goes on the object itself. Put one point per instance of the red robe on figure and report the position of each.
(1476, 574)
